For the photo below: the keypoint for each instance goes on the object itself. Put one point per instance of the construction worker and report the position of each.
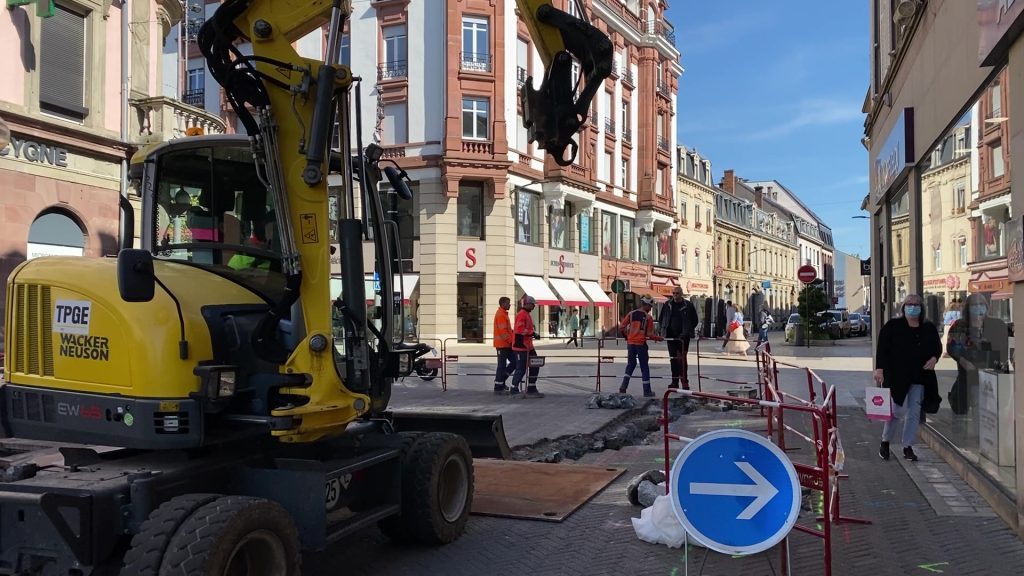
(523, 335)
(503, 340)
(638, 328)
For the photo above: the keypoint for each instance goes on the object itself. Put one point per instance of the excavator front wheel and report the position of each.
(437, 490)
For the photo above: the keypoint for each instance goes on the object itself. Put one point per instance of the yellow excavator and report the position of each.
(206, 404)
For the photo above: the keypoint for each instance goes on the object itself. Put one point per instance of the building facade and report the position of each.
(73, 127)
(696, 196)
(920, 116)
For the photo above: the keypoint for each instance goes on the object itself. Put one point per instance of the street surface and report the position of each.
(926, 520)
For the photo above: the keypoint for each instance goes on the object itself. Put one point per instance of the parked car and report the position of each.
(794, 319)
(858, 327)
(836, 322)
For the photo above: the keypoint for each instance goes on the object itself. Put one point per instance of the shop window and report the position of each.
(560, 227)
(609, 247)
(665, 248)
(587, 241)
(475, 118)
(528, 214)
(646, 245)
(62, 69)
(992, 234)
(627, 246)
(55, 234)
(470, 209)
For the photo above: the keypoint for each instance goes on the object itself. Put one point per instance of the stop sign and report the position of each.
(807, 274)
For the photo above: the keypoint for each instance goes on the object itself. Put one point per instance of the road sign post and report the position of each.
(735, 492)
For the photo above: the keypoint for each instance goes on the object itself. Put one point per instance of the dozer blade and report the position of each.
(485, 433)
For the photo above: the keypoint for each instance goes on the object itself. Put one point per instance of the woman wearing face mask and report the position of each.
(976, 341)
(908, 349)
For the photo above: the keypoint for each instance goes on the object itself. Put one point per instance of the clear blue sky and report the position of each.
(773, 90)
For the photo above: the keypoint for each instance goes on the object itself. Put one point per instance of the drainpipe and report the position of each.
(126, 236)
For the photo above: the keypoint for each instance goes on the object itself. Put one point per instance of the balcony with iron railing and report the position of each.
(195, 98)
(627, 77)
(521, 76)
(609, 126)
(160, 118)
(662, 28)
(476, 62)
(664, 91)
(392, 70)
(627, 135)
(663, 144)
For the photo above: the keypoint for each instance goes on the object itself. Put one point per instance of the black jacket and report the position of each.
(902, 353)
(677, 319)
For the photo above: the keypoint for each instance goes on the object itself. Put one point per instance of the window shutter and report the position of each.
(62, 64)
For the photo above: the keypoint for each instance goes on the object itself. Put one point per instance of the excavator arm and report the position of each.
(553, 114)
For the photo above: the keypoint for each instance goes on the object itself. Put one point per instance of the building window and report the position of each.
(707, 217)
(899, 249)
(522, 61)
(696, 215)
(474, 118)
(475, 44)
(604, 173)
(587, 243)
(683, 209)
(395, 125)
(609, 247)
(996, 151)
(995, 100)
(470, 209)
(625, 117)
(560, 227)
(346, 50)
(963, 253)
(938, 258)
(395, 52)
(627, 246)
(62, 64)
(682, 262)
(959, 197)
(528, 207)
(625, 174)
(659, 182)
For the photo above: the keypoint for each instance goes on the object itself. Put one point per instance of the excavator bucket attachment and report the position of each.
(485, 433)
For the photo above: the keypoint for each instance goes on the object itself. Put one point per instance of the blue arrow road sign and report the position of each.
(735, 492)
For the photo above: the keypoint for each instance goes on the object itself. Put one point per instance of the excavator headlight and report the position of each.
(217, 381)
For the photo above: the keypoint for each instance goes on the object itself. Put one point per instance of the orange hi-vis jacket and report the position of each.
(638, 327)
(524, 331)
(502, 329)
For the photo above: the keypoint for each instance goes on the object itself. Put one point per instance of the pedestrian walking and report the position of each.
(908, 349)
(638, 328)
(765, 321)
(677, 322)
(524, 334)
(574, 328)
(736, 337)
(503, 340)
(730, 315)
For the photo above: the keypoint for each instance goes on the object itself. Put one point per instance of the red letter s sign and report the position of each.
(470, 257)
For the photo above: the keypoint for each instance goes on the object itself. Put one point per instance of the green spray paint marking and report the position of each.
(932, 567)
(659, 460)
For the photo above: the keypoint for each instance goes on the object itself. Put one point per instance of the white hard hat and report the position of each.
(647, 301)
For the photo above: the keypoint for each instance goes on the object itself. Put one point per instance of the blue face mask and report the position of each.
(912, 310)
(979, 310)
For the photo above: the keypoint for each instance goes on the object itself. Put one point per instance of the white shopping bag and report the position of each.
(878, 403)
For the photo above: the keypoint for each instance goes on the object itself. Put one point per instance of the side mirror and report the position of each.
(135, 278)
(395, 178)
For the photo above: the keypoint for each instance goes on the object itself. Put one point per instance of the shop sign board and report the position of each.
(36, 152)
(895, 156)
(472, 256)
(561, 264)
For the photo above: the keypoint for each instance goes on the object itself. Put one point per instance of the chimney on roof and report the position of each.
(759, 196)
(729, 182)
(772, 194)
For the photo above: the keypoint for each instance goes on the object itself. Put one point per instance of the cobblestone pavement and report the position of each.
(925, 519)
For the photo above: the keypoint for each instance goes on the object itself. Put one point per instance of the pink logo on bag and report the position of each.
(877, 401)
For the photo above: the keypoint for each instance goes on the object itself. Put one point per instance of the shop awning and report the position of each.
(569, 291)
(647, 291)
(594, 291)
(536, 286)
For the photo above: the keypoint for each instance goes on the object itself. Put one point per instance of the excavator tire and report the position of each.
(149, 544)
(394, 527)
(235, 535)
(437, 488)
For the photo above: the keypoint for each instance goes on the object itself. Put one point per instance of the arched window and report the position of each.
(55, 234)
